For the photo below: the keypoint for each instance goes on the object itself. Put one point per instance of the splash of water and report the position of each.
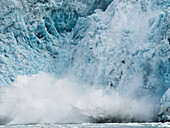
(43, 98)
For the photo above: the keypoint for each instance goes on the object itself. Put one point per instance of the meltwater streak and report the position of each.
(43, 98)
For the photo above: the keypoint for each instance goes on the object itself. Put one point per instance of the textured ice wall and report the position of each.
(164, 113)
(33, 34)
(125, 46)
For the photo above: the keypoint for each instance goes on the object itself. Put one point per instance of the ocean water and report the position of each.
(91, 125)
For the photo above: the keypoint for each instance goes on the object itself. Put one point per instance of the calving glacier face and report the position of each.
(119, 44)
(33, 34)
(126, 47)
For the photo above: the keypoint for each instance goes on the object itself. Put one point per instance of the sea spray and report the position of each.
(43, 98)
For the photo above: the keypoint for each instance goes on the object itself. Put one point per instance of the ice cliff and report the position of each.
(120, 43)
(33, 33)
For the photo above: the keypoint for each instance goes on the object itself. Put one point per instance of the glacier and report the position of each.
(117, 44)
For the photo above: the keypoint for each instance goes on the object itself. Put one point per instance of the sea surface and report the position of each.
(91, 125)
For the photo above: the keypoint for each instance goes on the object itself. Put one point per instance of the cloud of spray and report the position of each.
(43, 98)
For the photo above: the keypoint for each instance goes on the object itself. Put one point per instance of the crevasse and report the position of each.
(120, 43)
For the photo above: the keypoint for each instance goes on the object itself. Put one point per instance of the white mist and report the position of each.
(43, 98)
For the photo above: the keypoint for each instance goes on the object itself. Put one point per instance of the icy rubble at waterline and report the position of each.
(125, 46)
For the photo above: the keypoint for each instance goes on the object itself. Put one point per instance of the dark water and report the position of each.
(89, 125)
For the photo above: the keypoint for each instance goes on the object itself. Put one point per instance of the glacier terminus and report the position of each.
(79, 61)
